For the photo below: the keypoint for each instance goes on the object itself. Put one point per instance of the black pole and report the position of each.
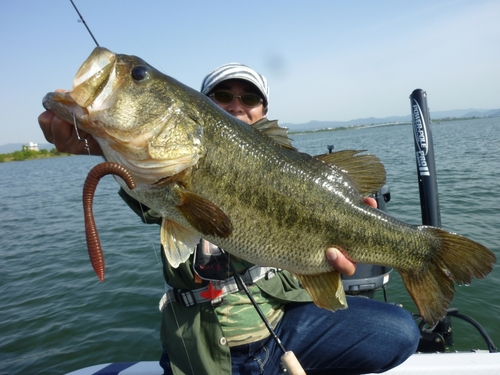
(424, 153)
(242, 285)
(288, 360)
(84, 23)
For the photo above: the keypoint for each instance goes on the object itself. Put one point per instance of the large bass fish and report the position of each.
(242, 188)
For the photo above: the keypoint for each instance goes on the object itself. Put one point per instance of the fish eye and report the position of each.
(139, 73)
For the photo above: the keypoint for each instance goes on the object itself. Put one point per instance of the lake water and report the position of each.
(55, 316)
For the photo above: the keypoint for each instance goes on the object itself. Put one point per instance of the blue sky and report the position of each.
(324, 60)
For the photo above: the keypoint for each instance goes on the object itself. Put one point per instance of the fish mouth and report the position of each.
(94, 90)
(104, 103)
(95, 81)
(65, 106)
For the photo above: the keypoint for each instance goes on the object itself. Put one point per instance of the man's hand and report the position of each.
(64, 136)
(338, 260)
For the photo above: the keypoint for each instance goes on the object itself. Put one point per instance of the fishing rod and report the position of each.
(288, 359)
(424, 154)
(85, 23)
(87, 148)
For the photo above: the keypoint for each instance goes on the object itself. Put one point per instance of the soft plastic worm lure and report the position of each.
(93, 243)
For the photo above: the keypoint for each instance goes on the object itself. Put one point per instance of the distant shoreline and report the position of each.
(363, 126)
(44, 153)
(31, 155)
(353, 127)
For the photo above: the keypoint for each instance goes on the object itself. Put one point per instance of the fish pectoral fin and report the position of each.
(366, 170)
(178, 242)
(325, 289)
(205, 216)
(271, 129)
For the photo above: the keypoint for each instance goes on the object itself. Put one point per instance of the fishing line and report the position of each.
(243, 286)
(158, 259)
(289, 361)
(160, 265)
(182, 337)
(88, 150)
(236, 275)
(85, 23)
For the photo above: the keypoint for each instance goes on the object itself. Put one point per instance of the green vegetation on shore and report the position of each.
(26, 154)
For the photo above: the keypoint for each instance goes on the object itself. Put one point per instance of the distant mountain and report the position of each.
(490, 113)
(11, 147)
(471, 112)
(457, 113)
(311, 125)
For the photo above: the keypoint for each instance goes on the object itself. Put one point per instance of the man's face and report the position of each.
(238, 87)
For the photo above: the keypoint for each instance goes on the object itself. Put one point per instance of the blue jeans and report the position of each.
(369, 336)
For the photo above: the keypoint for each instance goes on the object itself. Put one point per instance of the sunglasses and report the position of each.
(226, 97)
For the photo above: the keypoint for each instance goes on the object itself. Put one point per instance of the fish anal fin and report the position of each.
(178, 242)
(205, 216)
(325, 289)
(456, 259)
(366, 170)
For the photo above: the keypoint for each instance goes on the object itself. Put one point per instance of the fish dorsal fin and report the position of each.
(325, 289)
(178, 242)
(366, 170)
(205, 216)
(271, 129)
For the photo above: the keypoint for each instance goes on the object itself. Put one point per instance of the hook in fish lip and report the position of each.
(87, 147)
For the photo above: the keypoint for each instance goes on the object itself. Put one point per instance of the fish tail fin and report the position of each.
(325, 289)
(456, 259)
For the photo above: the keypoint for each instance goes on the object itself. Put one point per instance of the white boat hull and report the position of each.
(473, 363)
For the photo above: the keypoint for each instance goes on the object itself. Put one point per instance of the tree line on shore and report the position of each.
(26, 154)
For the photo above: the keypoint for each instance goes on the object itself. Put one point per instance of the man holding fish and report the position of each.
(221, 333)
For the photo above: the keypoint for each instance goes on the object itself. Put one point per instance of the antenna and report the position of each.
(81, 18)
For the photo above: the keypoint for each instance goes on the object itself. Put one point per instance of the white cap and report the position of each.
(235, 71)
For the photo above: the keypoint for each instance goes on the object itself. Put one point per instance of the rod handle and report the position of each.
(291, 364)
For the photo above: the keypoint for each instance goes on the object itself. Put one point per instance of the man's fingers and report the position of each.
(44, 120)
(370, 202)
(340, 262)
(65, 137)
